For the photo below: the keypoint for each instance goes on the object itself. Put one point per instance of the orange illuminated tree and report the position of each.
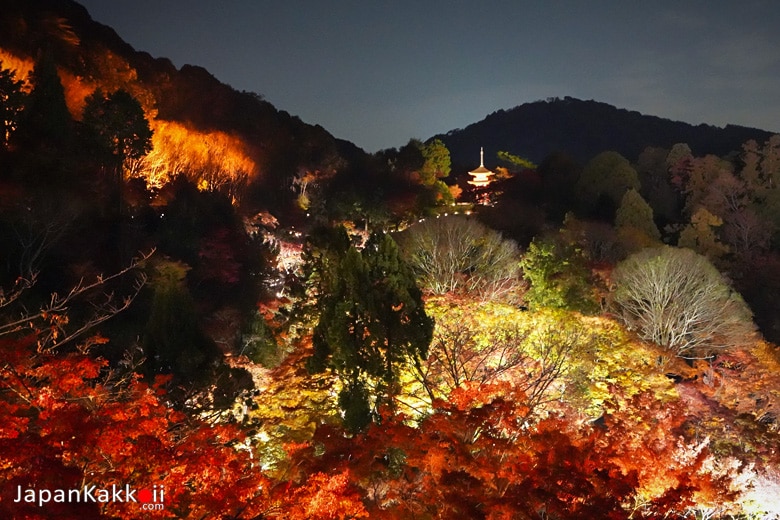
(482, 454)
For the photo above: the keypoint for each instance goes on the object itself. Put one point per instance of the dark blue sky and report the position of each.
(379, 72)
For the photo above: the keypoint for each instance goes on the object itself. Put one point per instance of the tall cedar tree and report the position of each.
(372, 322)
(46, 123)
(12, 99)
(634, 212)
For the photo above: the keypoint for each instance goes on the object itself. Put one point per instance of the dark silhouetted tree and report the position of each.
(604, 181)
(121, 133)
(46, 124)
(119, 124)
(657, 189)
(559, 174)
(12, 100)
(173, 339)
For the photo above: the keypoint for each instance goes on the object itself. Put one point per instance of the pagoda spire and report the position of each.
(481, 176)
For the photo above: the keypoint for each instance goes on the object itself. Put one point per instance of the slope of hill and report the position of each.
(583, 129)
(90, 55)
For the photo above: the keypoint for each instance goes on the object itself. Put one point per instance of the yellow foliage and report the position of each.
(291, 406)
(617, 361)
(481, 341)
(605, 362)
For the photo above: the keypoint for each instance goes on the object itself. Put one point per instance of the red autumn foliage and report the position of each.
(220, 261)
(325, 497)
(473, 459)
(69, 422)
(480, 455)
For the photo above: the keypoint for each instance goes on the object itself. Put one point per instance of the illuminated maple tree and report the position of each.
(475, 457)
(71, 421)
(480, 455)
(487, 342)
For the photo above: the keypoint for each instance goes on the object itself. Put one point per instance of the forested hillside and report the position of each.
(583, 129)
(210, 309)
(200, 124)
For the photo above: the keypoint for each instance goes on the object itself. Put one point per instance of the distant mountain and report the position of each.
(583, 129)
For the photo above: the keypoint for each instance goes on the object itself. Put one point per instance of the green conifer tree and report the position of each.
(173, 340)
(372, 322)
(634, 223)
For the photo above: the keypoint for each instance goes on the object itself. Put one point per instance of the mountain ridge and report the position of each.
(281, 144)
(584, 128)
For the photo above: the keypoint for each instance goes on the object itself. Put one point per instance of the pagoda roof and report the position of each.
(481, 169)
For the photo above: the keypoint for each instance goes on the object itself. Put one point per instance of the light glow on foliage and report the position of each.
(20, 66)
(761, 497)
(214, 160)
(488, 342)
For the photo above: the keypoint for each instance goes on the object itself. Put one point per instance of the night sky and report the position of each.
(379, 73)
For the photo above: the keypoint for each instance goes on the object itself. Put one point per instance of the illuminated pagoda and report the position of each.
(481, 176)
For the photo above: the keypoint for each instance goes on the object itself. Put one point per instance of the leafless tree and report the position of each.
(678, 299)
(531, 359)
(457, 357)
(747, 233)
(39, 226)
(458, 254)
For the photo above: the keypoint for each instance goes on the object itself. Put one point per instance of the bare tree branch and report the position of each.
(456, 254)
(51, 322)
(533, 360)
